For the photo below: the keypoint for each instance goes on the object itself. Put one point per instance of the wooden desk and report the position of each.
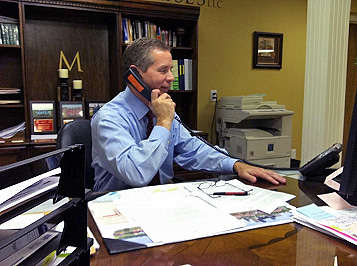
(288, 244)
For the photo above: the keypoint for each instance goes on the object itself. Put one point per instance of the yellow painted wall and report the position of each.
(354, 6)
(225, 55)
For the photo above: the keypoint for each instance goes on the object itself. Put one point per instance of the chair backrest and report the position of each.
(79, 132)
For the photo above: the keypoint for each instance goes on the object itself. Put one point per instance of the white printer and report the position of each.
(255, 130)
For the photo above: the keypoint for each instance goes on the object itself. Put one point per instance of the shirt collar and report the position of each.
(138, 107)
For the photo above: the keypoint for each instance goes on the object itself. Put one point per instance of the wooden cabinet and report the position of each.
(12, 154)
(85, 37)
(37, 149)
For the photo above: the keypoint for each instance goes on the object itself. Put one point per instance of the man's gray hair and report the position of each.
(138, 53)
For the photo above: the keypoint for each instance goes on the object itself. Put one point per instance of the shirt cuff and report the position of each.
(160, 133)
(228, 164)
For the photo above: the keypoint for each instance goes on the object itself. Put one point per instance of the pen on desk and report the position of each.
(240, 193)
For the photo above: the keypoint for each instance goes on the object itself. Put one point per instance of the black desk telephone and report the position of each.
(315, 169)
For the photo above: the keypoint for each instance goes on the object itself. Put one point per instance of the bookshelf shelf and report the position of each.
(182, 48)
(10, 143)
(77, 21)
(11, 106)
(173, 49)
(9, 46)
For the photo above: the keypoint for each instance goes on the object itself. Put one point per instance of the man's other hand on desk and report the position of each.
(251, 173)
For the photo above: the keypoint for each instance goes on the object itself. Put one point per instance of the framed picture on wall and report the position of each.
(69, 111)
(93, 107)
(43, 117)
(267, 50)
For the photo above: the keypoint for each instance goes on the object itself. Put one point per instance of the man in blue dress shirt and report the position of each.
(125, 157)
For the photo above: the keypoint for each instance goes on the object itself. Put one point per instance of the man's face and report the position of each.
(159, 75)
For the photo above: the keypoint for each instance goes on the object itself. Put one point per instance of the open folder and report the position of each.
(150, 216)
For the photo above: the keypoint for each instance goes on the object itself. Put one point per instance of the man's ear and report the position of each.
(137, 68)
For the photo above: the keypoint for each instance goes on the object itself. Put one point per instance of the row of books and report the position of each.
(9, 34)
(182, 71)
(134, 29)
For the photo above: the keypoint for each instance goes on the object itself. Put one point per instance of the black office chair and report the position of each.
(79, 132)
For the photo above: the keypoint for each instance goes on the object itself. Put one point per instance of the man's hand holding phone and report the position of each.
(163, 108)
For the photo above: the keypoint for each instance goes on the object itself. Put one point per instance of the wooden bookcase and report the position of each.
(89, 34)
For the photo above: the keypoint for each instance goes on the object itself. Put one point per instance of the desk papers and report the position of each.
(337, 223)
(28, 250)
(32, 215)
(291, 173)
(258, 199)
(8, 133)
(157, 215)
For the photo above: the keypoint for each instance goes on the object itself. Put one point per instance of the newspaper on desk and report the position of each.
(178, 212)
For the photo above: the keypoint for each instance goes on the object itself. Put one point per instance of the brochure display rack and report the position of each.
(73, 213)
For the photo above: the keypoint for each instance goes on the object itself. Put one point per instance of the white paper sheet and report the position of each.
(179, 219)
(28, 189)
(330, 182)
(292, 174)
(32, 215)
(258, 198)
(9, 192)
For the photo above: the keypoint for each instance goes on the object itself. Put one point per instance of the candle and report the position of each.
(63, 73)
(77, 84)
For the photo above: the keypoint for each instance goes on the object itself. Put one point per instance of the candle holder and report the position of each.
(77, 91)
(63, 89)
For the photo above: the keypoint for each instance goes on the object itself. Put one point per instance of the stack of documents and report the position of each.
(27, 189)
(12, 131)
(151, 216)
(337, 223)
(23, 253)
(10, 91)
